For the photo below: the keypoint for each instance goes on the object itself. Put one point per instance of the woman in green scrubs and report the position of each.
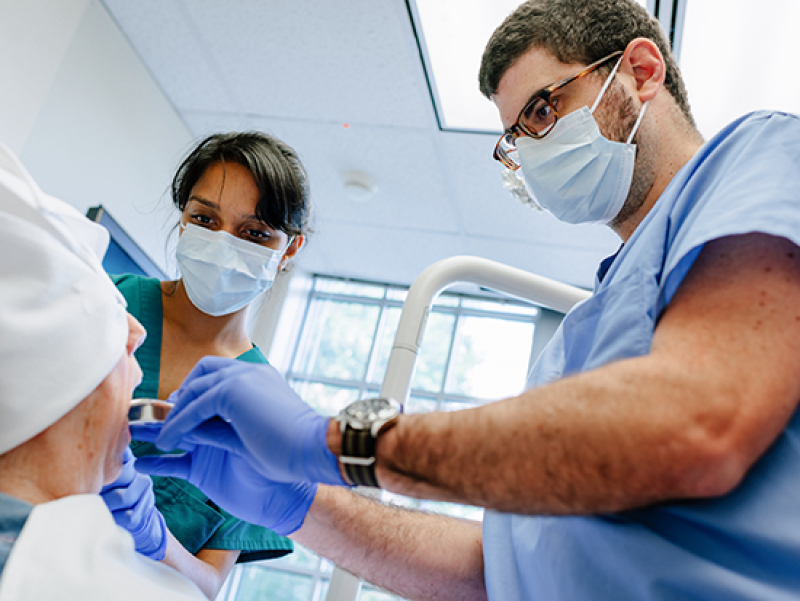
(244, 206)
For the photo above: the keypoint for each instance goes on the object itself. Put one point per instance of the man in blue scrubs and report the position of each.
(656, 454)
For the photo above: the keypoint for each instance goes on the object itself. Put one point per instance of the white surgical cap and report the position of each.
(63, 325)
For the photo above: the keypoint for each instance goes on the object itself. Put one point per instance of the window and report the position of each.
(474, 349)
(298, 576)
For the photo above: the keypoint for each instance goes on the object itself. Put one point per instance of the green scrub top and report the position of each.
(194, 519)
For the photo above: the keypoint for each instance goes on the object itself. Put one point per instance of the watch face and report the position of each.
(370, 410)
(369, 414)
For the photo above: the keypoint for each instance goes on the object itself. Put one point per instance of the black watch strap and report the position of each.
(358, 457)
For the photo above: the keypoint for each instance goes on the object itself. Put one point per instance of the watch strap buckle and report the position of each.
(366, 461)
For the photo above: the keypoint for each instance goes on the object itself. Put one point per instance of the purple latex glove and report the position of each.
(250, 411)
(233, 484)
(133, 505)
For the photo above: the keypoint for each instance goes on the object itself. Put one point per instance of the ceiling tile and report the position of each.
(164, 36)
(410, 191)
(393, 256)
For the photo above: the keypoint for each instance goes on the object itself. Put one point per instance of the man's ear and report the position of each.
(646, 64)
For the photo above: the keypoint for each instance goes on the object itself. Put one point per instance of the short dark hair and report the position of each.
(576, 31)
(281, 179)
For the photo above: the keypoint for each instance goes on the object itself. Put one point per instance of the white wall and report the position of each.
(86, 117)
(34, 35)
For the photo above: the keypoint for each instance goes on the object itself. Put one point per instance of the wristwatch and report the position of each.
(361, 423)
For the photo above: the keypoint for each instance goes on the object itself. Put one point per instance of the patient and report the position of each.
(68, 373)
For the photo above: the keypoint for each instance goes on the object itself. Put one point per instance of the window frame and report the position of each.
(367, 386)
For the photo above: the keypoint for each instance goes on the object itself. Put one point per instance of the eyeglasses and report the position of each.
(538, 117)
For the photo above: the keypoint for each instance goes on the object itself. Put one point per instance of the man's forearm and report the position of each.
(412, 554)
(570, 448)
(685, 421)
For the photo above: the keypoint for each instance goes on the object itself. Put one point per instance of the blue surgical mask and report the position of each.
(223, 273)
(575, 172)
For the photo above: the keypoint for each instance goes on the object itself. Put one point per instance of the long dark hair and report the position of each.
(278, 173)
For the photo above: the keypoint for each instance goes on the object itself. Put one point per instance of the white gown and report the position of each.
(71, 549)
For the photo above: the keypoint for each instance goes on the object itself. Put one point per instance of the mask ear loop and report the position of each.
(638, 122)
(607, 83)
(603, 91)
(284, 259)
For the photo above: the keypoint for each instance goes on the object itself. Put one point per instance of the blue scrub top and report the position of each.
(13, 515)
(745, 545)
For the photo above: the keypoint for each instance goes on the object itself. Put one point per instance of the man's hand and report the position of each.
(231, 482)
(250, 411)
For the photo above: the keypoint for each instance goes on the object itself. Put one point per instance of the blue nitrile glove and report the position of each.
(250, 410)
(133, 505)
(234, 485)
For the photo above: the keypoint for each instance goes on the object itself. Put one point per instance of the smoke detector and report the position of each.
(359, 186)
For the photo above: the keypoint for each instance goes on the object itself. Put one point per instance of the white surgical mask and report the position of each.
(223, 273)
(575, 172)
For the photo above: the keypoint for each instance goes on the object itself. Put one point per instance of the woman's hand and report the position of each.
(132, 503)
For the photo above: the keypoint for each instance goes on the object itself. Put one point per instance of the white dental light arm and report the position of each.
(402, 360)
(489, 274)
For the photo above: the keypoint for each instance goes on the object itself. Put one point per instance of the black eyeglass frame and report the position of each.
(507, 143)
